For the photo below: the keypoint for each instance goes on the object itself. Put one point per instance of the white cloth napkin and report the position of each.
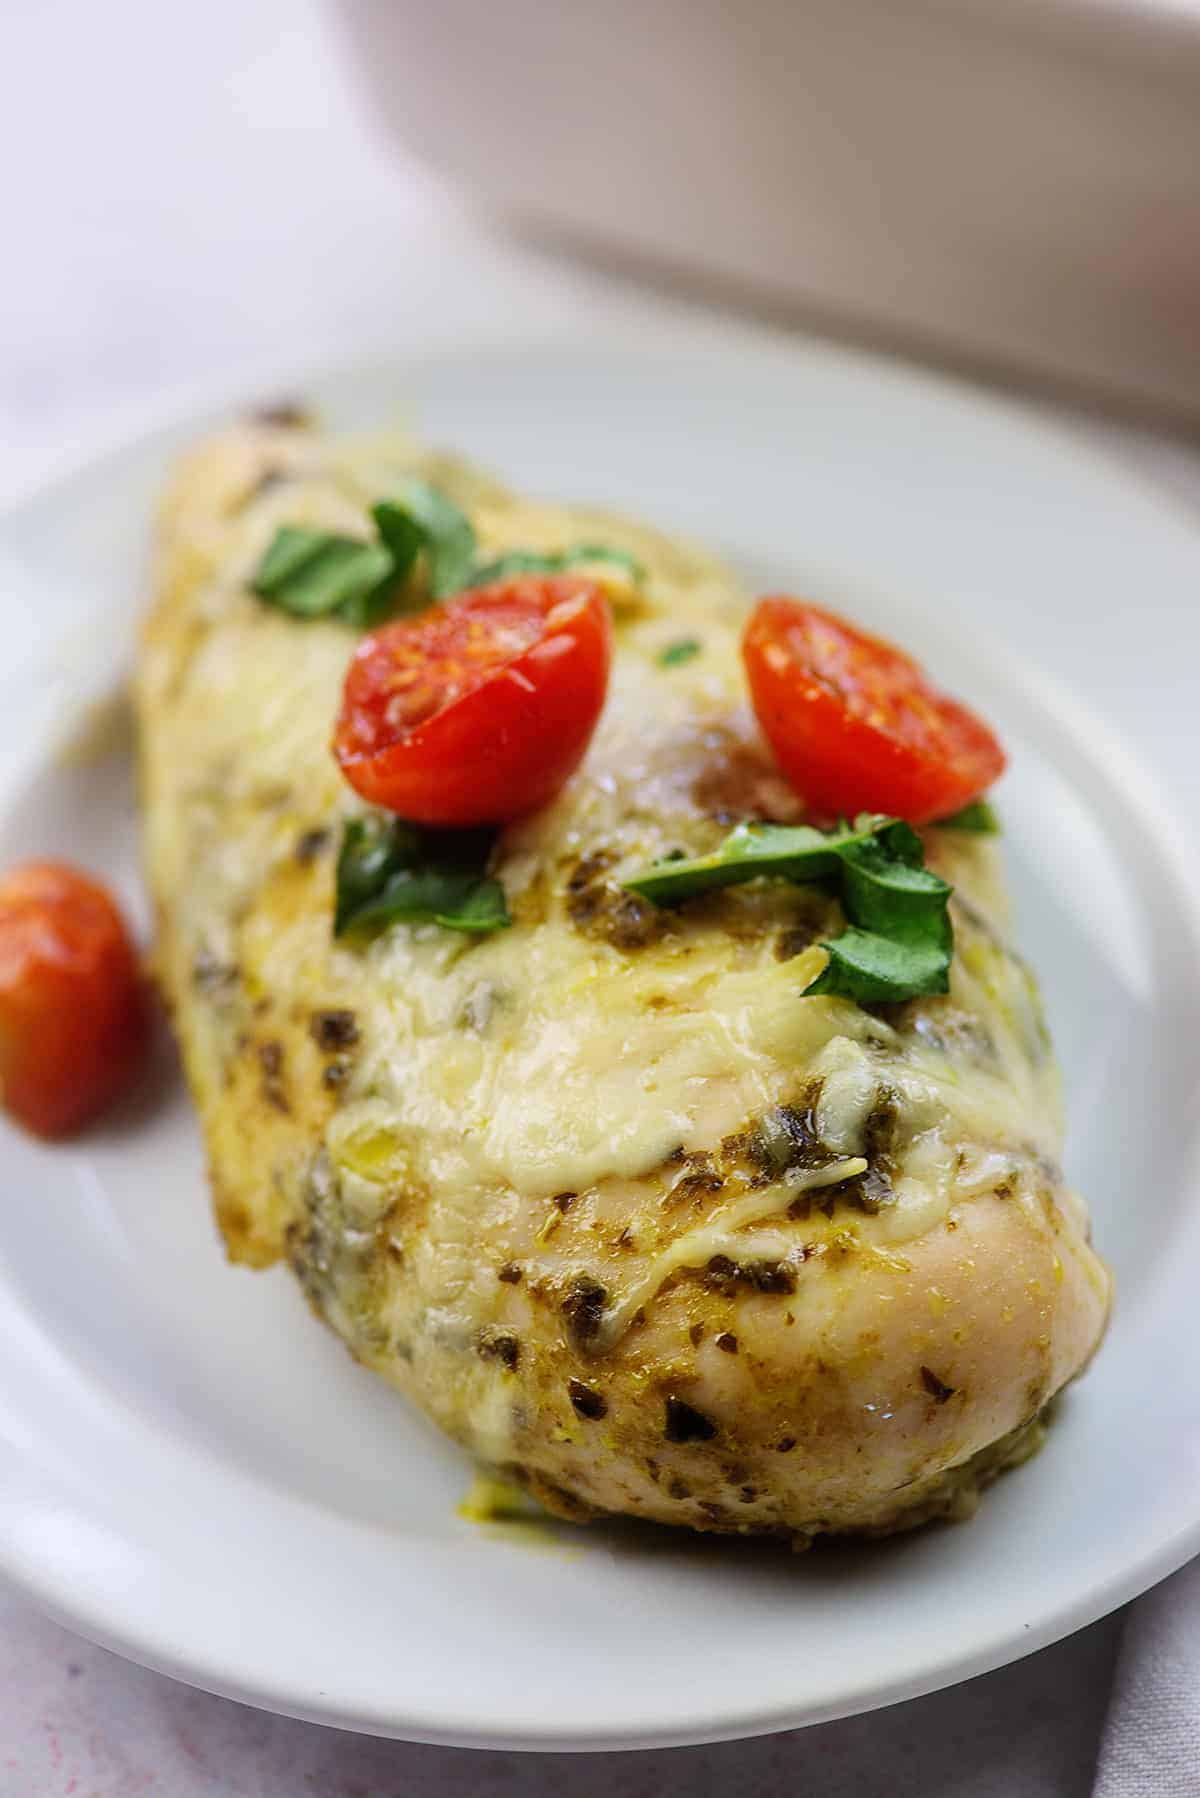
(1151, 1744)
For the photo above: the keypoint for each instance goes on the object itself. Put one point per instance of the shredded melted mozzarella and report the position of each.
(698, 1247)
(545, 1059)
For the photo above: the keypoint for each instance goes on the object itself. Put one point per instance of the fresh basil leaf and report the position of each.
(314, 574)
(289, 552)
(467, 902)
(371, 607)
(873, 969)
(401, 539)
(901, 840)
(448, 538)
(796, 852)
(373, 849)
(979, 816)
(904, 903)
(389, 870)
(900, 940)
(603, 552)
(318, 574)
(682, 650)
(485, 908)
(518, 561)
(400, 534)
(531, 561)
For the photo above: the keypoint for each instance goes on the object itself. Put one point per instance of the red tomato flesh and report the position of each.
(72, 1008)
(854, 722)
(478, 710)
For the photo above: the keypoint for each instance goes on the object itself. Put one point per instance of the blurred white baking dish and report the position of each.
(1014, 180)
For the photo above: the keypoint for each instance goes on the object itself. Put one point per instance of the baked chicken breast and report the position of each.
(630, 1215)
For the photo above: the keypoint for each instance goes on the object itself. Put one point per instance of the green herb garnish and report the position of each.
(390, 872)
(900, 941)
(448, 538)
(532, 561)
(886, 888)
(682, 650)
(316, 574)
(979, 816)
(402, 537)
(319, 574)
(784, 851)
(873, 970)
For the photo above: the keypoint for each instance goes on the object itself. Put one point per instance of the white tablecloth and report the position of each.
(70, 1712)
(198, 201)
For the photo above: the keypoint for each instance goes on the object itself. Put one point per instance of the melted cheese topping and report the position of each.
(546, 1059)
(698, 1247)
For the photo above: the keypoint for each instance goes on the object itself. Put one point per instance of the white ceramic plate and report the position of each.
(194, 1472)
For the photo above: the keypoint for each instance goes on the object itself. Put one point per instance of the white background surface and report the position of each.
(188, 195)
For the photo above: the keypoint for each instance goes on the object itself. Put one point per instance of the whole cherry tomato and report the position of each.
(72, 1007)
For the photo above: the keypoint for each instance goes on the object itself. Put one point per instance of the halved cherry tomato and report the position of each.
(72, 1009)
(478, 710)
(854, 722)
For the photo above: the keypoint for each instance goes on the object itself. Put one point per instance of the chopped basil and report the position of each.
(448, 538)
(872, 969)
(390, 871)
(319, 574)
(532, 561)
(601, 552)
(518, 561)
(401, 535)
(979, 816)
(373, 848)
(468, 902)
(900, 941)
(315, 574)
(682, 650)
(896, 898)
(786, 851)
